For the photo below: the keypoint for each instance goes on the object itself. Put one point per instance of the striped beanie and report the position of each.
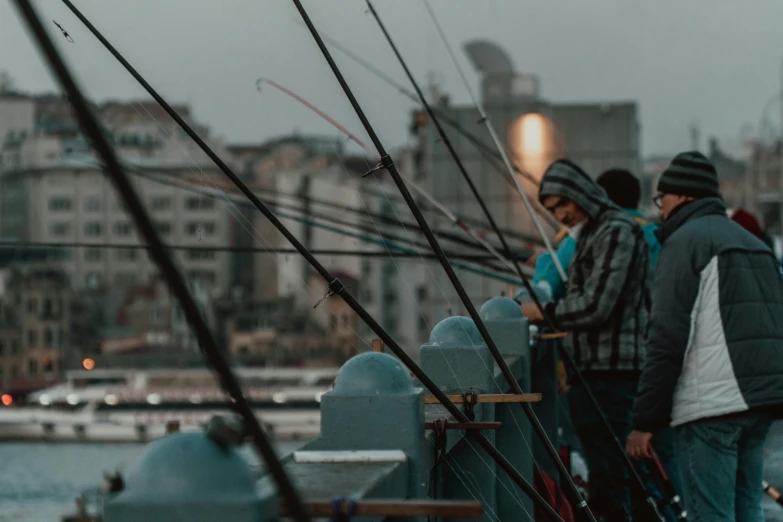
(690, 174)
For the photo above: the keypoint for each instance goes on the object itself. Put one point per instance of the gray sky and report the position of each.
(713, 61)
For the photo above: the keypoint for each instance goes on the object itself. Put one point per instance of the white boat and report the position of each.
(137, 405)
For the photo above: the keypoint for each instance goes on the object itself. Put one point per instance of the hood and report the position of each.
(565, 178)
(688, 211)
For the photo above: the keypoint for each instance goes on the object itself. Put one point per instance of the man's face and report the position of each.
(668, 202)
(565, 211)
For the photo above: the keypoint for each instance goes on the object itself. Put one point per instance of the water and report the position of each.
(38, 482)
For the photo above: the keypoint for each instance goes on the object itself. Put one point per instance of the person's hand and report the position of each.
(532, 312)
(638, 445)
(533, 259)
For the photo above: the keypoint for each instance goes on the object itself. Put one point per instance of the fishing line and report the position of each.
(91, 128)
(65, 33)
(513, 493)
(499, 146)
(538, 428)
(653, 508)
(407, 287)
(334, 285)
(455, 220)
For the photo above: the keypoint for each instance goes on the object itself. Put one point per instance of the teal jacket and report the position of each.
(547, 276)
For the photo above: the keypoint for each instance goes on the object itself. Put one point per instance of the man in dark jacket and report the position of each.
(605, 309)
(714, 365)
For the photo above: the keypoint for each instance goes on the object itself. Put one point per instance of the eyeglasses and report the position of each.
(657, 200)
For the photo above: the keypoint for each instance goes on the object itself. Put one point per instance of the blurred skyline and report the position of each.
(716, 64)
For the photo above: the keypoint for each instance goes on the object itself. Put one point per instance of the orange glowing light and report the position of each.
(533, 140)
(7, 399)
(88, 364)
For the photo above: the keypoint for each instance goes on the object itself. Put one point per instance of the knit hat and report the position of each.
(690, 174)
(747, 221)
(622, 187)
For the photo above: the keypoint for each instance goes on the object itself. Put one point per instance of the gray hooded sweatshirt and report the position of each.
(607, 302)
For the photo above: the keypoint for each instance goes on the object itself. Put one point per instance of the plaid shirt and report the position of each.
(607, 302)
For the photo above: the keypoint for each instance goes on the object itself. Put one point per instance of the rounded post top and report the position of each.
(189, 465)
(456, 331)
(372, 373)
(500, 309)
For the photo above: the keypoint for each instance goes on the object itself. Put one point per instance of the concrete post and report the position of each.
(509, 329)
(457, 360)
(374, 406)
(197, 477)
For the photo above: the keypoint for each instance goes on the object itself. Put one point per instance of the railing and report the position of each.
(386, 447)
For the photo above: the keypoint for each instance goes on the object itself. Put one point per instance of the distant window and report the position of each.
(59, 229)
(32, 305)
(92, 279)
(160, 203)
(48, 338)
(163, 228)
(123, 228)
(32, 338)
(93, 229)
(200, 229)
(199, 204)
(32, 367)
(126, 254)
(93, 254)
(59, 204)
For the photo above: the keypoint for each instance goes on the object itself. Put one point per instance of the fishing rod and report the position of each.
(368, 213)
(232, 249)
(387, 220)
(674, 498)
(553, 453)
(449, 214)
(500, 148)
(486, 152)
(455, 220)
(564, 353)
(122, 184)
(365, 227)
(382, 242)
(335, 286)
(387, 164)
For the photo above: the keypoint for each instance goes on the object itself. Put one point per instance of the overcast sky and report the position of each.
(713, 61)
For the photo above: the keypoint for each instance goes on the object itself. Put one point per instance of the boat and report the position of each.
(124, 405)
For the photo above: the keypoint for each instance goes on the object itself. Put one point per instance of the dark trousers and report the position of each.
(609, 484)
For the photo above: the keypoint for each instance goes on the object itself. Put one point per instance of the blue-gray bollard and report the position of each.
(189, 477)
(509, 329)
(374, 406)
(457, 360)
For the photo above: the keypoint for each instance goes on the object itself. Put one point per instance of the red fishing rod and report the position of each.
(673, 498)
